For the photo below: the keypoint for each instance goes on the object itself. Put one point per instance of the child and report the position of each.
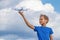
(43, 32)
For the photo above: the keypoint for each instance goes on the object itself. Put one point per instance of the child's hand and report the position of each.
(21, 13)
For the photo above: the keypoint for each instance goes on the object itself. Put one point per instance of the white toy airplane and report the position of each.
(20, 9)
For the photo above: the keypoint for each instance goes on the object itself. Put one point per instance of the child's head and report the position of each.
(43, 19)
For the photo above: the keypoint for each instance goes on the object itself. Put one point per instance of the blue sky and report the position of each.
(12, 26)
(55, 3)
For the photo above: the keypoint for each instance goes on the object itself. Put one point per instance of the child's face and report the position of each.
(42, 20)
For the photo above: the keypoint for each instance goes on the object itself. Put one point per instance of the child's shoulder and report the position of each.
(43, 27)
(49, 28)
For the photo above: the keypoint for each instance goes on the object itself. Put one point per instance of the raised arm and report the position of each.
(26, 21)
(51, 37)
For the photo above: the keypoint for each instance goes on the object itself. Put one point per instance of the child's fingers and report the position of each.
(20, 12)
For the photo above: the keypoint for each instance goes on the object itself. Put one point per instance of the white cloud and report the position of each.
(36, 5)
(5, 16)
(2, 39)
(9, 37)
(8, 3)
(27, 39)
(14, 37)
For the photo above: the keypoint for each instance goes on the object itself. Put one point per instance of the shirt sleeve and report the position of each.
(35, 28)
(51, 31)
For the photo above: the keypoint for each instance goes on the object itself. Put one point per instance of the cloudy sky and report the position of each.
(12, 26)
